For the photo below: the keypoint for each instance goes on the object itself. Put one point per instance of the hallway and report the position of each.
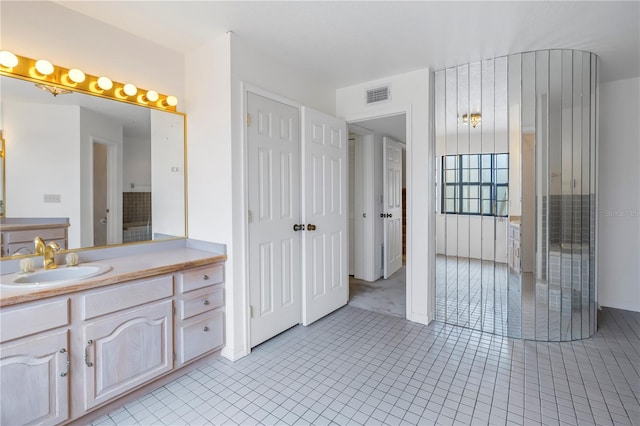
(382, 296)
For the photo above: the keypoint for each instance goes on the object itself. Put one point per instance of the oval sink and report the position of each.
(59, 276)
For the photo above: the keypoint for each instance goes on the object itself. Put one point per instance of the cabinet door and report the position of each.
(126, 350)
(34, 380)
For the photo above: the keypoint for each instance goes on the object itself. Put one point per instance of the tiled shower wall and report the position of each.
(569, 217)
(136, 208)
(136, 216)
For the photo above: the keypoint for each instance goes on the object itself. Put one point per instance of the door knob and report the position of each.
(297, 227)
(389, 215)
(311, 227)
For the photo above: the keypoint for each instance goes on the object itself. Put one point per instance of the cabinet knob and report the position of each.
(206, 328)
(206, 302)
(205, 277)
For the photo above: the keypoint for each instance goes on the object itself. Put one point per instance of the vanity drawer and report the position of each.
(200, 335)
(27, 247)
(28, 235)
(32, 318)
(123, 296)
(196, 278)
(199, 301)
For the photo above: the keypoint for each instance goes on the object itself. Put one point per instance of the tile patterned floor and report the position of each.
(359, 367)
(487, 296)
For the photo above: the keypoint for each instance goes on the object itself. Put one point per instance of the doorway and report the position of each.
(377, 195)
(105, 200)
(100, 195)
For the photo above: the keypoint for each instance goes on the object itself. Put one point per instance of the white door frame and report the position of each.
(365, 244)
(382, 112)
(244, 261)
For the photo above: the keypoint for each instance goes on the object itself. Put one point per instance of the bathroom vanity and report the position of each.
(68, 350)
(17, 234)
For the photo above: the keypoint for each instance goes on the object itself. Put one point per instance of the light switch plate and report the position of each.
(52, 198)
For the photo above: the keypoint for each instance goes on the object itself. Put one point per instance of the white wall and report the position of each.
(47, 139)
(210, 214)
(410, 93)
(136, 166)
(42, 29)
(619, 195)
(216, 73)
(252, 68)
(167, 174)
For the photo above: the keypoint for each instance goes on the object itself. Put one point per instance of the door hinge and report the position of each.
(249, 216)
(250, 311)
(173, 308)
(248, 119)
(174, 356)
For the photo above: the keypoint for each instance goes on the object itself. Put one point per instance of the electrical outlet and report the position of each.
(52, 198)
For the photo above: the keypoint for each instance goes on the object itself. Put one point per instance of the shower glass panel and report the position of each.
(516, 163)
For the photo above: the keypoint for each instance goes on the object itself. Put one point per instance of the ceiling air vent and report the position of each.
(379, 94)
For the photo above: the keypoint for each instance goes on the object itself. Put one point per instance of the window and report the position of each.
(475, 184)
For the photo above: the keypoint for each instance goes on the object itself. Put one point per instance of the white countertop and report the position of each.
(122, 269)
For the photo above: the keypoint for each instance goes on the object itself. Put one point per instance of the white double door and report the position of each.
(297, 172)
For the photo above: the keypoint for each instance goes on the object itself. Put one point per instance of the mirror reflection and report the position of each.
(113, 171)
(515, 226)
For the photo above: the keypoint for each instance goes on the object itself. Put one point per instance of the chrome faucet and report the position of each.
(47, 251)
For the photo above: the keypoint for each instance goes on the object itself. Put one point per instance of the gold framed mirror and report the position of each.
(2, 195)
(115, 169)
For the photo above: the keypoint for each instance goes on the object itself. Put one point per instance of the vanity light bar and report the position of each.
(43, 72)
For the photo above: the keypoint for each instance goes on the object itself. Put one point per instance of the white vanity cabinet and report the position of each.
(200, 316)
(514, 247)
(65, 356)
(127, 335)
(126, 350)
(34, 363)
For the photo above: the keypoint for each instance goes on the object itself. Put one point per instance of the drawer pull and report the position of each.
(68, 363)
(205, 277)
(206, 302)
(86, 354)
(206, 328)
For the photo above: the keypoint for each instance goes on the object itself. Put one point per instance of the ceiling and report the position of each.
(347, 42)
(393, 126)
(135, 120)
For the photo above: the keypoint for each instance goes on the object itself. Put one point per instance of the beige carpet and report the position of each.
(383, 296)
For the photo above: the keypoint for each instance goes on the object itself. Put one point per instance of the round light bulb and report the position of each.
(76, 75)
(44, 67)
(105, 83)
(152, 95)
(8, 59)
(172, 100)
(130, 89)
